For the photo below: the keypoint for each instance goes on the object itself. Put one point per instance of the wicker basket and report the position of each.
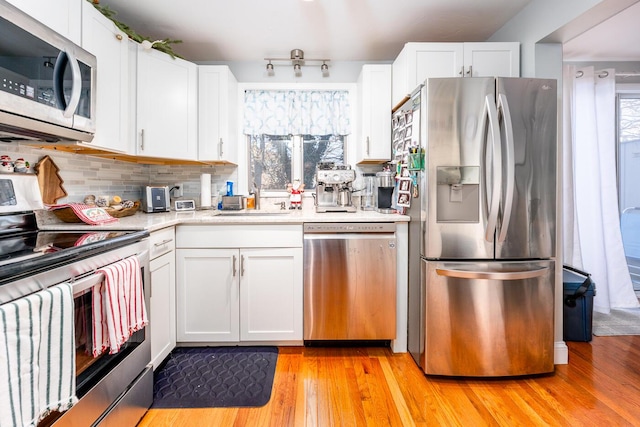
(68, 215)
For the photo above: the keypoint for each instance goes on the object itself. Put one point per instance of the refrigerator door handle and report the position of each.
(492, 275)
(495, 168)
(503, 107)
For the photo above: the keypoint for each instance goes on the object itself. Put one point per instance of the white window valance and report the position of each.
(297, 112)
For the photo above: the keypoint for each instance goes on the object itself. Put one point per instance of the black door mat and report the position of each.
(209, 377)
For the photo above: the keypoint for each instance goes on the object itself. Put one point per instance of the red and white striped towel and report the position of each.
(118, 307)
(91, 215)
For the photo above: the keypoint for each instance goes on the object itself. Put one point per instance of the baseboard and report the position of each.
(560, 353)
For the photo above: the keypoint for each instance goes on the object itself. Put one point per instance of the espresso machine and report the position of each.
(334, 187)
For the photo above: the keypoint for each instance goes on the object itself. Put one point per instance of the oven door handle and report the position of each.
(81, 285)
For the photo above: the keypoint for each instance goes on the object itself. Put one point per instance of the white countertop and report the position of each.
(156, 221)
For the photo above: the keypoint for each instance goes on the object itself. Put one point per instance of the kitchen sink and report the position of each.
(252, 213)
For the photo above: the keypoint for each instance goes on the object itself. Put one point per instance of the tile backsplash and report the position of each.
(83, 174)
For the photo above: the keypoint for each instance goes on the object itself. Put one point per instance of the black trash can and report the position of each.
(579, 291)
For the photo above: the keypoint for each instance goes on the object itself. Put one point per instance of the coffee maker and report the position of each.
(386, 185)
(334, 187)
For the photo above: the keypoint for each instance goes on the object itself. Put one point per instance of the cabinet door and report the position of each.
(374, 108)
(218, 115)
(271, 294)
(418, 61)
(162, 311)
(492, 59)
(166, 105)
(62, 16)
(103, 39)
(207, 292)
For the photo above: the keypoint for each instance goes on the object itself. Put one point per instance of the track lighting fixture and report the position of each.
(297, 59)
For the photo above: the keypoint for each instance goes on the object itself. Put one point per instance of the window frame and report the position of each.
(243, 153)
(630, 90)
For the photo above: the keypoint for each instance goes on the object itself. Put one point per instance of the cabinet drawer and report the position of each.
(240, 236)
(161, 242)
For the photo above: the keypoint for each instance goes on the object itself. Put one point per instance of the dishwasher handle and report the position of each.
(350, 236)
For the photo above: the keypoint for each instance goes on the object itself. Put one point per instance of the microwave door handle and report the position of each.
(63, 59)
(58, 79)
(76, 88)
(503, 106)
(495, 168)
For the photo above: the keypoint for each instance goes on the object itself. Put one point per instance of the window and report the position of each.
(628, 116)
(628, 149)
(276, 160)
(289, 131)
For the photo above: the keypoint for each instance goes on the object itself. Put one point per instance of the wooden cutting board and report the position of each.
(49, 181)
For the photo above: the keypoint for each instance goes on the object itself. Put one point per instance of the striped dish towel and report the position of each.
(118, 306)
(92, 215)
(37, 356)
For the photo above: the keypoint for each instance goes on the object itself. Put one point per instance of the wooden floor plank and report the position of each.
(319, 387)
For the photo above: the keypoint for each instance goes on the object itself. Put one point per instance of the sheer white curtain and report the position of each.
(592, 239)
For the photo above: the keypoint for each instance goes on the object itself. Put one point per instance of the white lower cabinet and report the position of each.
(162, 308)
(250, 290)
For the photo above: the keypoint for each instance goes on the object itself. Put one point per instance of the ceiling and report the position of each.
(341, 30)
(616, 39)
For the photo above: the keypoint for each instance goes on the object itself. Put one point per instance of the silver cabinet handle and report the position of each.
(461, 73)
(164, 242)
(470, 72)
(141, 139)
(220, 148)
(242, 265)
(367, 146)
(492, 275)
(234, 266)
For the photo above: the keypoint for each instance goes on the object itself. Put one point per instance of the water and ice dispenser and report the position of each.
(458, 193)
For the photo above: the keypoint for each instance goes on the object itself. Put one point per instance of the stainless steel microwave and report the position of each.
(47, 83)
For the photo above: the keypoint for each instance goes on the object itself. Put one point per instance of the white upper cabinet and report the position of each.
(373, 138)
(492, 59)
(167, 103)
(217, 114)
(103, 39)
(418, 61)
(62, 16)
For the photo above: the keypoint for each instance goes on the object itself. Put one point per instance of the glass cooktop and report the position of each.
(33, 251)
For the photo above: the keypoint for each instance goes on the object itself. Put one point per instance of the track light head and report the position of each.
(270, 71)
(324, 68)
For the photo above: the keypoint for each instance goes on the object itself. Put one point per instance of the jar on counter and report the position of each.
(251, 201)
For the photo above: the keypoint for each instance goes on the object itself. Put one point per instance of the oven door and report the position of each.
(109, 382)
(89, 369)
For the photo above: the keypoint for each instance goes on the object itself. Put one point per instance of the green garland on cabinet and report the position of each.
(163, 45)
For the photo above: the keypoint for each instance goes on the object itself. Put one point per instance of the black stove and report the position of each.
(25, 250)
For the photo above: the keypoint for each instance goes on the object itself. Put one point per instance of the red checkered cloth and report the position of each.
(91, 215)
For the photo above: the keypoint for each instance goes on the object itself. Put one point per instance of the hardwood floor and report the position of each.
(374, 387)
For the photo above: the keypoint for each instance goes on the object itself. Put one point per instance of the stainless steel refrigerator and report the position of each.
(483, 229)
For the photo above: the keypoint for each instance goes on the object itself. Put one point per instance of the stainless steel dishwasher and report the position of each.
(349, 281)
